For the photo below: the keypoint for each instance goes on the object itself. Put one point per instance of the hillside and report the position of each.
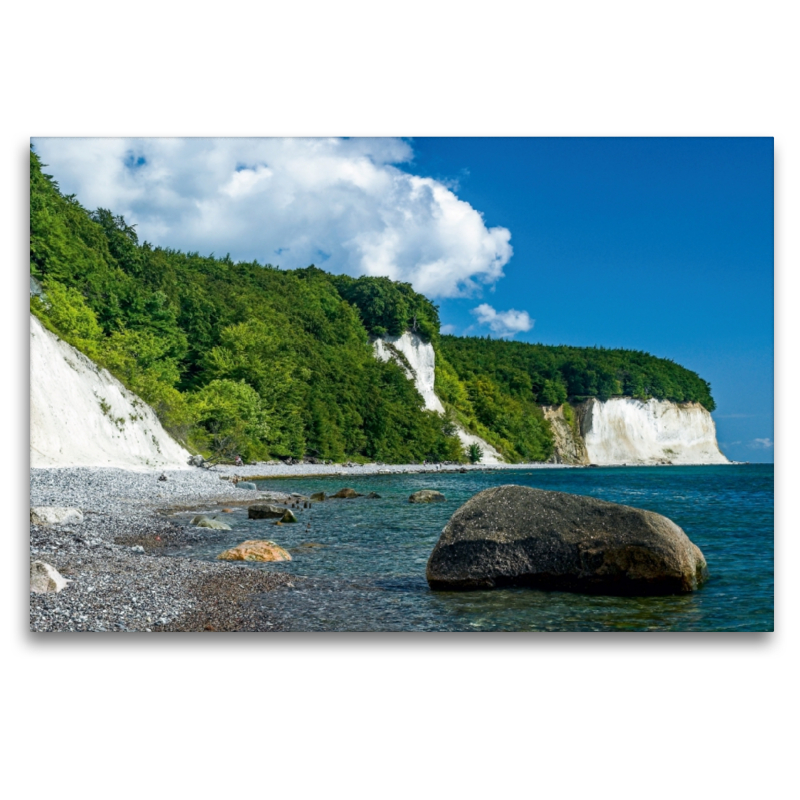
(248, 358)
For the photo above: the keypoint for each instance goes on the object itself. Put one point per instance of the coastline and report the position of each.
(123, 564)
(119, 577)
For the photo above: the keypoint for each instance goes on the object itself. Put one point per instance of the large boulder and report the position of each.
(427, 496)
(56, 515)
(46, 578)
(265, 511)
(255, 550)
(517, 536)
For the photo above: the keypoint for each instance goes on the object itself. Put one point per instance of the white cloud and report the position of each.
(503, 323)
(343, 204)
(446, 330)
(762, 444)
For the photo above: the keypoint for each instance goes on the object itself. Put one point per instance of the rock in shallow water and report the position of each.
(427, 496)
(517, 536)
(346, 494)
(265, 511)
(255, 550)
(210, 522)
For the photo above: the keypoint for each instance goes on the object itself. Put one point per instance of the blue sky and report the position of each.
(662, 245)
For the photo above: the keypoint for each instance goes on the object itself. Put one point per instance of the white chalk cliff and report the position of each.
(83, 416)
(418, 360)
(628, 431)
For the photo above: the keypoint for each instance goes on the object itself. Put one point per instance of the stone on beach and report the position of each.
(56, 515)
(518, 536)
(265, 511)
(46, 578)
(346, 494)
(255, 550)
(427, 496)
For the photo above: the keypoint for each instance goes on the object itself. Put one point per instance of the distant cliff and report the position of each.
(627, 431)
(82, 416)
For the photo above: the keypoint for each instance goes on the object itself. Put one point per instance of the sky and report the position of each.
(661, 245)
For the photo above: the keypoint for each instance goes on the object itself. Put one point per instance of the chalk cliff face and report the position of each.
(628, 431)
(82, 416)
(418, 360)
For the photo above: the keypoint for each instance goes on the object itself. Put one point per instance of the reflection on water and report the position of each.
(362, 562)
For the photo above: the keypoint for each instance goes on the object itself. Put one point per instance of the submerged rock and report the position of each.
(517, 536)
(265, 511)
(56, 515)
(255, 550)
(319, 496)
(247, 485)
(427, 496)
(346, 494)
(46, 578)
(209, 522)
(288, 517)
(373, 496)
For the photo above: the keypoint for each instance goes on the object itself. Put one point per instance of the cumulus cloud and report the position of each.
(503, 323)
(762, 444)
(343, 204)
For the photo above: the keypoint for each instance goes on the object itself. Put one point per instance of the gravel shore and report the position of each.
(118, 581)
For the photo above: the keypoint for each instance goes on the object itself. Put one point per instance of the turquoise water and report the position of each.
(363, 561)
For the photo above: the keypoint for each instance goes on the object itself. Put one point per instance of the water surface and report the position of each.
(363, 561)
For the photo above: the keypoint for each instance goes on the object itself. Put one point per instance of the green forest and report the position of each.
(247, 358)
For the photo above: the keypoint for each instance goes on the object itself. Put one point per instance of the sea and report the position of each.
(360, 563)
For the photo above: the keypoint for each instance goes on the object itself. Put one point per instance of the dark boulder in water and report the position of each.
(265, 511)
(517, 536)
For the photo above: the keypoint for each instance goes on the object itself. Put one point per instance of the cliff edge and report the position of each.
(81, 416)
